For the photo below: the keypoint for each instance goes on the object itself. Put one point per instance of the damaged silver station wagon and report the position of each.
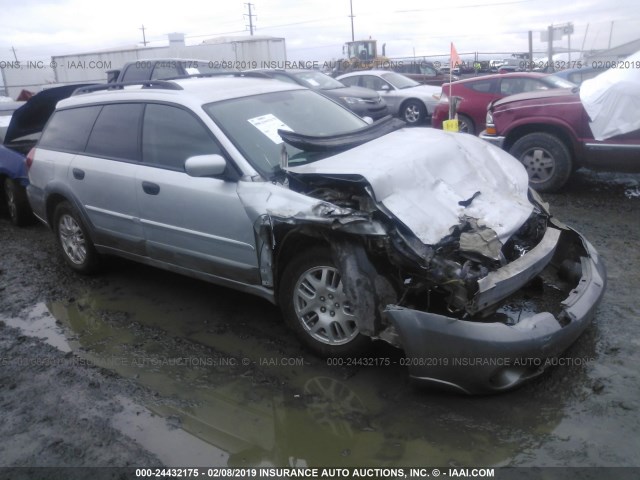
(428, 240)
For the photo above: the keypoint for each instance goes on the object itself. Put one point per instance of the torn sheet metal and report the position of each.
(429, 181)
(277, 201)
(491, 356)
(612, 99)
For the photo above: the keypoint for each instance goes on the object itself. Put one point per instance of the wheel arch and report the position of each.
(414, 99)
(288, 244)
(561, 133)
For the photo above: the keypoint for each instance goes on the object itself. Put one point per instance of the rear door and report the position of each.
(197, 223)
(103, 176)
(476, 96)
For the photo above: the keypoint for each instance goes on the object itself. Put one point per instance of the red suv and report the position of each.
(476, 93)
(550, 133)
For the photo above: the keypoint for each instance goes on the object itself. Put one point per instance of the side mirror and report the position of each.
(205, 165)
(385, 87)
(368, 120)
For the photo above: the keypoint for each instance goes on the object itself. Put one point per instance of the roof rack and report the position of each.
(160, 84)
(233, 73)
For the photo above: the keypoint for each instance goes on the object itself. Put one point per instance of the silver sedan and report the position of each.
(405, 98)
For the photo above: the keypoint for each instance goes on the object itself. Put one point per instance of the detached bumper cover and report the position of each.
(482, 357)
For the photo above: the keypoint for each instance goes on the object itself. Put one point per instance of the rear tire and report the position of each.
(546, 158)
(18, 206)
(315, 306)
(72, 236)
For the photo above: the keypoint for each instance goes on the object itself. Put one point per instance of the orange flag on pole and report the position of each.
(455, 58)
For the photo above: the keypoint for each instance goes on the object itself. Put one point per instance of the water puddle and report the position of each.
(39, 323)
(235, 389)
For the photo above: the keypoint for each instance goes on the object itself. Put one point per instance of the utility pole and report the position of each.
(250, 15)
(610, 34)
(530, 62)
(550, 50)
(144, 38)
(353, 38)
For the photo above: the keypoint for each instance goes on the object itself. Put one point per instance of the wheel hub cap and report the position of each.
(72, 239)
(322, 307)
(539, 164)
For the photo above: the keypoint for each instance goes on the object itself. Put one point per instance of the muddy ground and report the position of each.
(142, 367)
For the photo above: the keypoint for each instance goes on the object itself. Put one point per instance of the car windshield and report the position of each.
(557, 82)
(252, 124)
(399, 81)
(318, 80)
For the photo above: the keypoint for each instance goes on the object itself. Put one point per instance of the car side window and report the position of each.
(68, 130)
(428, 71)
(350, 81)
(116, 132)
(511, 86)
(374, 83)
(139, 71)
(165, 70)
(170, 135)
(481, 86)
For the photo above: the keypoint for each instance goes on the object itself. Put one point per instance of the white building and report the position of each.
(229, 52)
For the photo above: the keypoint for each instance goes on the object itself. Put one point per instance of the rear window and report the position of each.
(68, 130)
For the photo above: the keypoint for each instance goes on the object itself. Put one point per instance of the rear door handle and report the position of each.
(151, 188)
(77, 173)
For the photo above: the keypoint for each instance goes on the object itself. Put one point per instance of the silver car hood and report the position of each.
(432, 180)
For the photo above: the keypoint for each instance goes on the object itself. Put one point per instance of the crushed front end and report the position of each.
(514, 321)
(458, 263)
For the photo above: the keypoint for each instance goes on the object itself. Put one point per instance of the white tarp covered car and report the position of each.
(612, 99)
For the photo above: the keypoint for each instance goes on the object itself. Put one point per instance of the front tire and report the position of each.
(15, 196)
(546, 158)
(72, 236)
(316, 308)
(413, 112)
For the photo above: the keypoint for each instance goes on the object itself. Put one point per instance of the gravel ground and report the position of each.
(59, 409)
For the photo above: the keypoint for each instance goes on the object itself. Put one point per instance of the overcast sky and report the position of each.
(314, 30)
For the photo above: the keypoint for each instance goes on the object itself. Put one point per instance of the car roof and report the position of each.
(196, 91)
(169, 59)
(501, 75)
(369, 72)
(285, 70)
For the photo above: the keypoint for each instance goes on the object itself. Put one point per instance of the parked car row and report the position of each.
(549, 123)
(556, 132)
(476, 93)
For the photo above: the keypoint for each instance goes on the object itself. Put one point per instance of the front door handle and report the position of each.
(151, 188)
(78, 174)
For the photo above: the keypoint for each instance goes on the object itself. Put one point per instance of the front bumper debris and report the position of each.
(483, 356)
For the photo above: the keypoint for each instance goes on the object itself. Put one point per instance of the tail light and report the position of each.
(30, 156)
